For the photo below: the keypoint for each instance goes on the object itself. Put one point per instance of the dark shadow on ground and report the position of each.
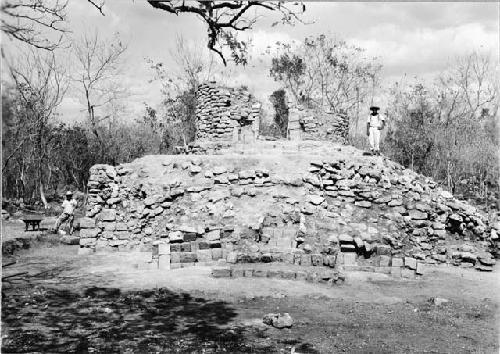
(107, 320)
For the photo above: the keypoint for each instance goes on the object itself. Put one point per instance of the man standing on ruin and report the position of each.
(375, 123)
(68, 214)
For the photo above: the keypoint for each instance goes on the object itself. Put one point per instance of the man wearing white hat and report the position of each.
(68, 214)
(375, 123)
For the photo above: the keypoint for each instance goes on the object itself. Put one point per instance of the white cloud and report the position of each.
(425, 50)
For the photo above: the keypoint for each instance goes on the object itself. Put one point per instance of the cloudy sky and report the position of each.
(413, 39)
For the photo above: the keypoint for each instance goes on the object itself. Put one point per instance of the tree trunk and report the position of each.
(42, 197)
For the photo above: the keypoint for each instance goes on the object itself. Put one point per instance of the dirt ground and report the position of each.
(104, 304)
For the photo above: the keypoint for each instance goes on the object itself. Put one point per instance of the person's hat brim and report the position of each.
(374, 108)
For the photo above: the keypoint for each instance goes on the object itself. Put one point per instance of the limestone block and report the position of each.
(70, 240)
(176, 236)
(175, 247)
(216, 253)
(221, 272)
(417, 215)
(87, 223)
(407, 273)
(121, 226)
(89, 233)
(395, 202)
(116, 243)
(260, 273)
(383, 250)
(108, 235)
(195, 169)
(287, 274)
(218, 170)
(164, 249)
(363, 204)
(397, 262)
(113, 201)
(108, 215)
(188, 237)
(315, 199)
(345, 238)
(109, 226)
(213, 235)
(175, 257)
(122, 235)
(185, 247)
(236, 191)
(410, 263)
(349, 258)
(420, 269)
(87, 242)
(384, 261)
(221, 179)
(101, 244)
(187, 257)
(204, 255)
(203, 245)
(237, 273)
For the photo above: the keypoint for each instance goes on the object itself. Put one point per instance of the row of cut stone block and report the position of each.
(324, 276)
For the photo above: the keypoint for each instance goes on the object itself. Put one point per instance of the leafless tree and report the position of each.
(98, 64)
(26, 20)
(194, 64)
(34, 21)
(225, 18)
(448, 129)
(40, 83)
(467, 95)
(467, 88)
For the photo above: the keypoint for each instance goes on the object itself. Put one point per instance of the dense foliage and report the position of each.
(448, 129)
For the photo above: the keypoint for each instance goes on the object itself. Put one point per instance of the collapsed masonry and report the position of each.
(354, 213)
(226, 114)
(306, 124)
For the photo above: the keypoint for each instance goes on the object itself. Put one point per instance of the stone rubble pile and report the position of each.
(337, 125)
(278, 320)
(306, 124)
(428, 215)
(340, 213)
(221, 112)
(203, 148)
(125, 215)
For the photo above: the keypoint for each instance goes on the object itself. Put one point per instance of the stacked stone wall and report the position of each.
(222, 112)
(307, 124)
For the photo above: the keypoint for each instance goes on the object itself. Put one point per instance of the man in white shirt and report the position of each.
(68, 213)
(375, 123)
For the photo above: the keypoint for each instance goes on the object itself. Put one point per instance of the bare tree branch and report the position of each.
(28, 21)
(222, 17)
(98, 62)
(98, 5)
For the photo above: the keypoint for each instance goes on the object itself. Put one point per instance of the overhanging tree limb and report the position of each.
(223, 18)
(28, 20)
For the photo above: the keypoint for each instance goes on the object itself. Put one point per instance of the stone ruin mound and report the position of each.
(308, 204)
